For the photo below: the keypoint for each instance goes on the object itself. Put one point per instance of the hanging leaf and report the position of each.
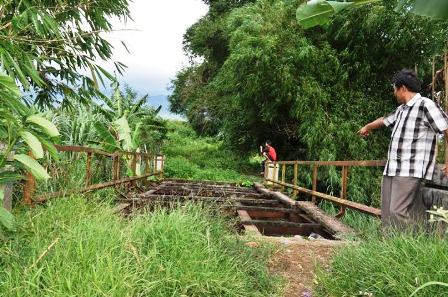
(33, 166)
(124, 132)
(319, 12)
(45, 124)
(33, 143)
(433, 8)
(108, 141)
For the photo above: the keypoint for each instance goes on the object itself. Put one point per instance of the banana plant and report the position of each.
(120, 137)
(21, 130)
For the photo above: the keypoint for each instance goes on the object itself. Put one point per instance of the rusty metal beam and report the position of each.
(46, 196)
(148, 198)
(367, 163)
(82, 149)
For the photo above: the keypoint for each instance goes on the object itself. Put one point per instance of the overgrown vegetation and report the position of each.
(395, 265)
(75, 247)
(193, 157)
(309, 91)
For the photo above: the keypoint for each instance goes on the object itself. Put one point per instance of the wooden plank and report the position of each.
(332, 224)
(350, 204)
(277, 195)
(120, 207)
(250, 228)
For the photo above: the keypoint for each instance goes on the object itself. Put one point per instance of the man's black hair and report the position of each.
(408, 78)
(268, 142)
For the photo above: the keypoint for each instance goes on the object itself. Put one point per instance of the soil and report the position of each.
(296, 261)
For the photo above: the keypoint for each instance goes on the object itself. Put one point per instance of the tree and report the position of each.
(45, 43)
(309, 91)
(44, 46)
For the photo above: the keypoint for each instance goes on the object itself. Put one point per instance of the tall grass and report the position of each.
(394, 265)
(72, 247)
(193, 157)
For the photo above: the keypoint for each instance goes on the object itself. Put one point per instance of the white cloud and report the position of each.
(156, 52)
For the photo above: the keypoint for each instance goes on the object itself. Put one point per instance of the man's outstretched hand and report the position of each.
(364, 132)
(445, 169)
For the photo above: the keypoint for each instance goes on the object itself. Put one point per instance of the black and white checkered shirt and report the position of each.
(415, 126)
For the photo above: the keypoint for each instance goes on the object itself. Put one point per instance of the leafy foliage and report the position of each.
(43, 44)
(319, 12)
(308, 91)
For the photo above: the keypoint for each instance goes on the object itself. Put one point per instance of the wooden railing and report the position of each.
(152, 166)
(272, 171)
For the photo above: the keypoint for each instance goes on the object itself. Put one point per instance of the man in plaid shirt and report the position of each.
(412, 150)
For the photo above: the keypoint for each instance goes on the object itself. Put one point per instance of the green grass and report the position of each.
(204, 158)
(184, 252)
(392, 266)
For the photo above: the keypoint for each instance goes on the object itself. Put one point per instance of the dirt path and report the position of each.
(296, 262)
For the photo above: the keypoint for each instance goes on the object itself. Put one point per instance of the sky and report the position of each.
(154, 42)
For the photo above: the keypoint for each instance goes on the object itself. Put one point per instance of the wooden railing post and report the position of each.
(315, 167)
(296, 172)
(283, 175)
(155, 165)
(30, 186)
(134, 164)
(147, 165)
(163, 166)
(116, 167)
(343, 190)
(88, 169)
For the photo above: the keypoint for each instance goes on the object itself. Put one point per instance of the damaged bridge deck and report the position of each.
(259, 211)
